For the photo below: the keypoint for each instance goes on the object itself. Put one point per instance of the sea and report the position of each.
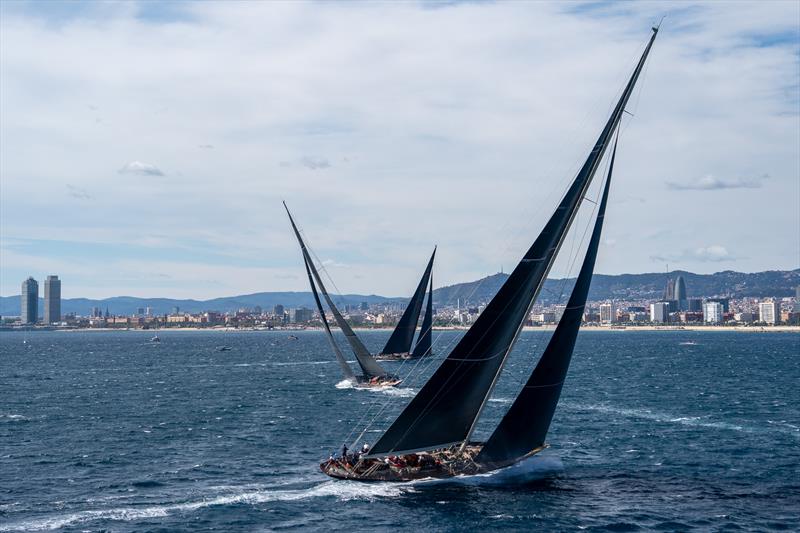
(664, 430)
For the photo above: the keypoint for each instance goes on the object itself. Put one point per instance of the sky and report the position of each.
(145, 148)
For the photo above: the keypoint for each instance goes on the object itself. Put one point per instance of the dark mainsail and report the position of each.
(423, 347)
(403, 335)
(525, 425)
(446, 408)
(346, 370)
(369, 366)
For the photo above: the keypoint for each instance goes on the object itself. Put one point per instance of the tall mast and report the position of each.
(446, 409)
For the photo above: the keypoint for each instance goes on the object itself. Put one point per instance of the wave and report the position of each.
(697, 421)
(343, 490)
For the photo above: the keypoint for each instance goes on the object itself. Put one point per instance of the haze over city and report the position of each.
(145, 148)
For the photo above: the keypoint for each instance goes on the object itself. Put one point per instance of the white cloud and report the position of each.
(714, 253)
(459, 125)
(142, 169)
(712, 183)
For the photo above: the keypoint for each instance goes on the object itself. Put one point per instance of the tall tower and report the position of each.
(29, 306)
(680, 288)
(669, 291)
(52, 299)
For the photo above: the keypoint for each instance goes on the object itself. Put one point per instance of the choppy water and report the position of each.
(105, 431)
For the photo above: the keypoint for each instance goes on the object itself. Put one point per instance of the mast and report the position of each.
(445, 410)
(424, 344)
(525, 425)
(403, 334)
(369, 366)
(346, 370)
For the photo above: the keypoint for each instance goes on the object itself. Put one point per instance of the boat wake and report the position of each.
(344, 491)
(532, 469)
(388, 390)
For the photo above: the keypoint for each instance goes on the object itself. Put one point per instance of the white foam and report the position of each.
(532, 469)
(343, 490)
(389, 390)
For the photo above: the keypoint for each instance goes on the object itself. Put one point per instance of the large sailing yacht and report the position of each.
(399, 343)
(432, 436)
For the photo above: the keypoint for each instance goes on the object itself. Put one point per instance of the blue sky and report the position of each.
(145, 147)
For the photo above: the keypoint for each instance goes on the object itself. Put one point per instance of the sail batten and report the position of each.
(403, 335)
(448, 406)
(525, 425)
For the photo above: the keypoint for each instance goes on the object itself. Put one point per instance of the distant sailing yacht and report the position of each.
(373, 374)
(431, 438)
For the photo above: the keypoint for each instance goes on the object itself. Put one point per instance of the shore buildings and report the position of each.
(712, 312)
(29, 306)
(659, 312)
(608, 313)
(769, 312)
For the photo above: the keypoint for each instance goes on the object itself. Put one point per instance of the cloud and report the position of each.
(714, 253)
(334, 264)
(712, 183)
(315, 163)
(77, 192)
(142, 169)
(439, 151)
(206, 146)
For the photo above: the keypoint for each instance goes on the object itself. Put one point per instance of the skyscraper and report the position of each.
(769, 311)
(608, 313)
(29, 307)
(52, 299)
(669, 291)
(680, 289)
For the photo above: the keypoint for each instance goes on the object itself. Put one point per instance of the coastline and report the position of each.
(289, 331)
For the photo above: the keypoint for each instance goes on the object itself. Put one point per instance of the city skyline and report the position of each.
(178, 190)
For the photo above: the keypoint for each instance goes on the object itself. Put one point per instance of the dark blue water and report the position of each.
(103, 431)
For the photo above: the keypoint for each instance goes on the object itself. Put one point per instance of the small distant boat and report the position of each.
(432, 436)
(293, 337)
(155, 338)
(224, 348)
(688, 343)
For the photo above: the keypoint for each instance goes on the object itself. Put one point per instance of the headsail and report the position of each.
(346, 370)
(423, 346)
(369, 366)
(403, 334)
(446, 408)
(525, 425)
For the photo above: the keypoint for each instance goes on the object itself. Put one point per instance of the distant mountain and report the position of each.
(636, 286)
(128, 305)
(604, 287)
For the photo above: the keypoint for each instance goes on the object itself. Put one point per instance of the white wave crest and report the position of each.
(343, 490)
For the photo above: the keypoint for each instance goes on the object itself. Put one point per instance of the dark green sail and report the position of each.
(403, 335)
(369, 366)
(424, 345)
(525, 425)
(446, 408)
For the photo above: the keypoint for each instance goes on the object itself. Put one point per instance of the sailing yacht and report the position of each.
(432, 436)
(373, 374)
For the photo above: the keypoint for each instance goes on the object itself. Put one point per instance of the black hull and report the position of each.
(439, 464)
